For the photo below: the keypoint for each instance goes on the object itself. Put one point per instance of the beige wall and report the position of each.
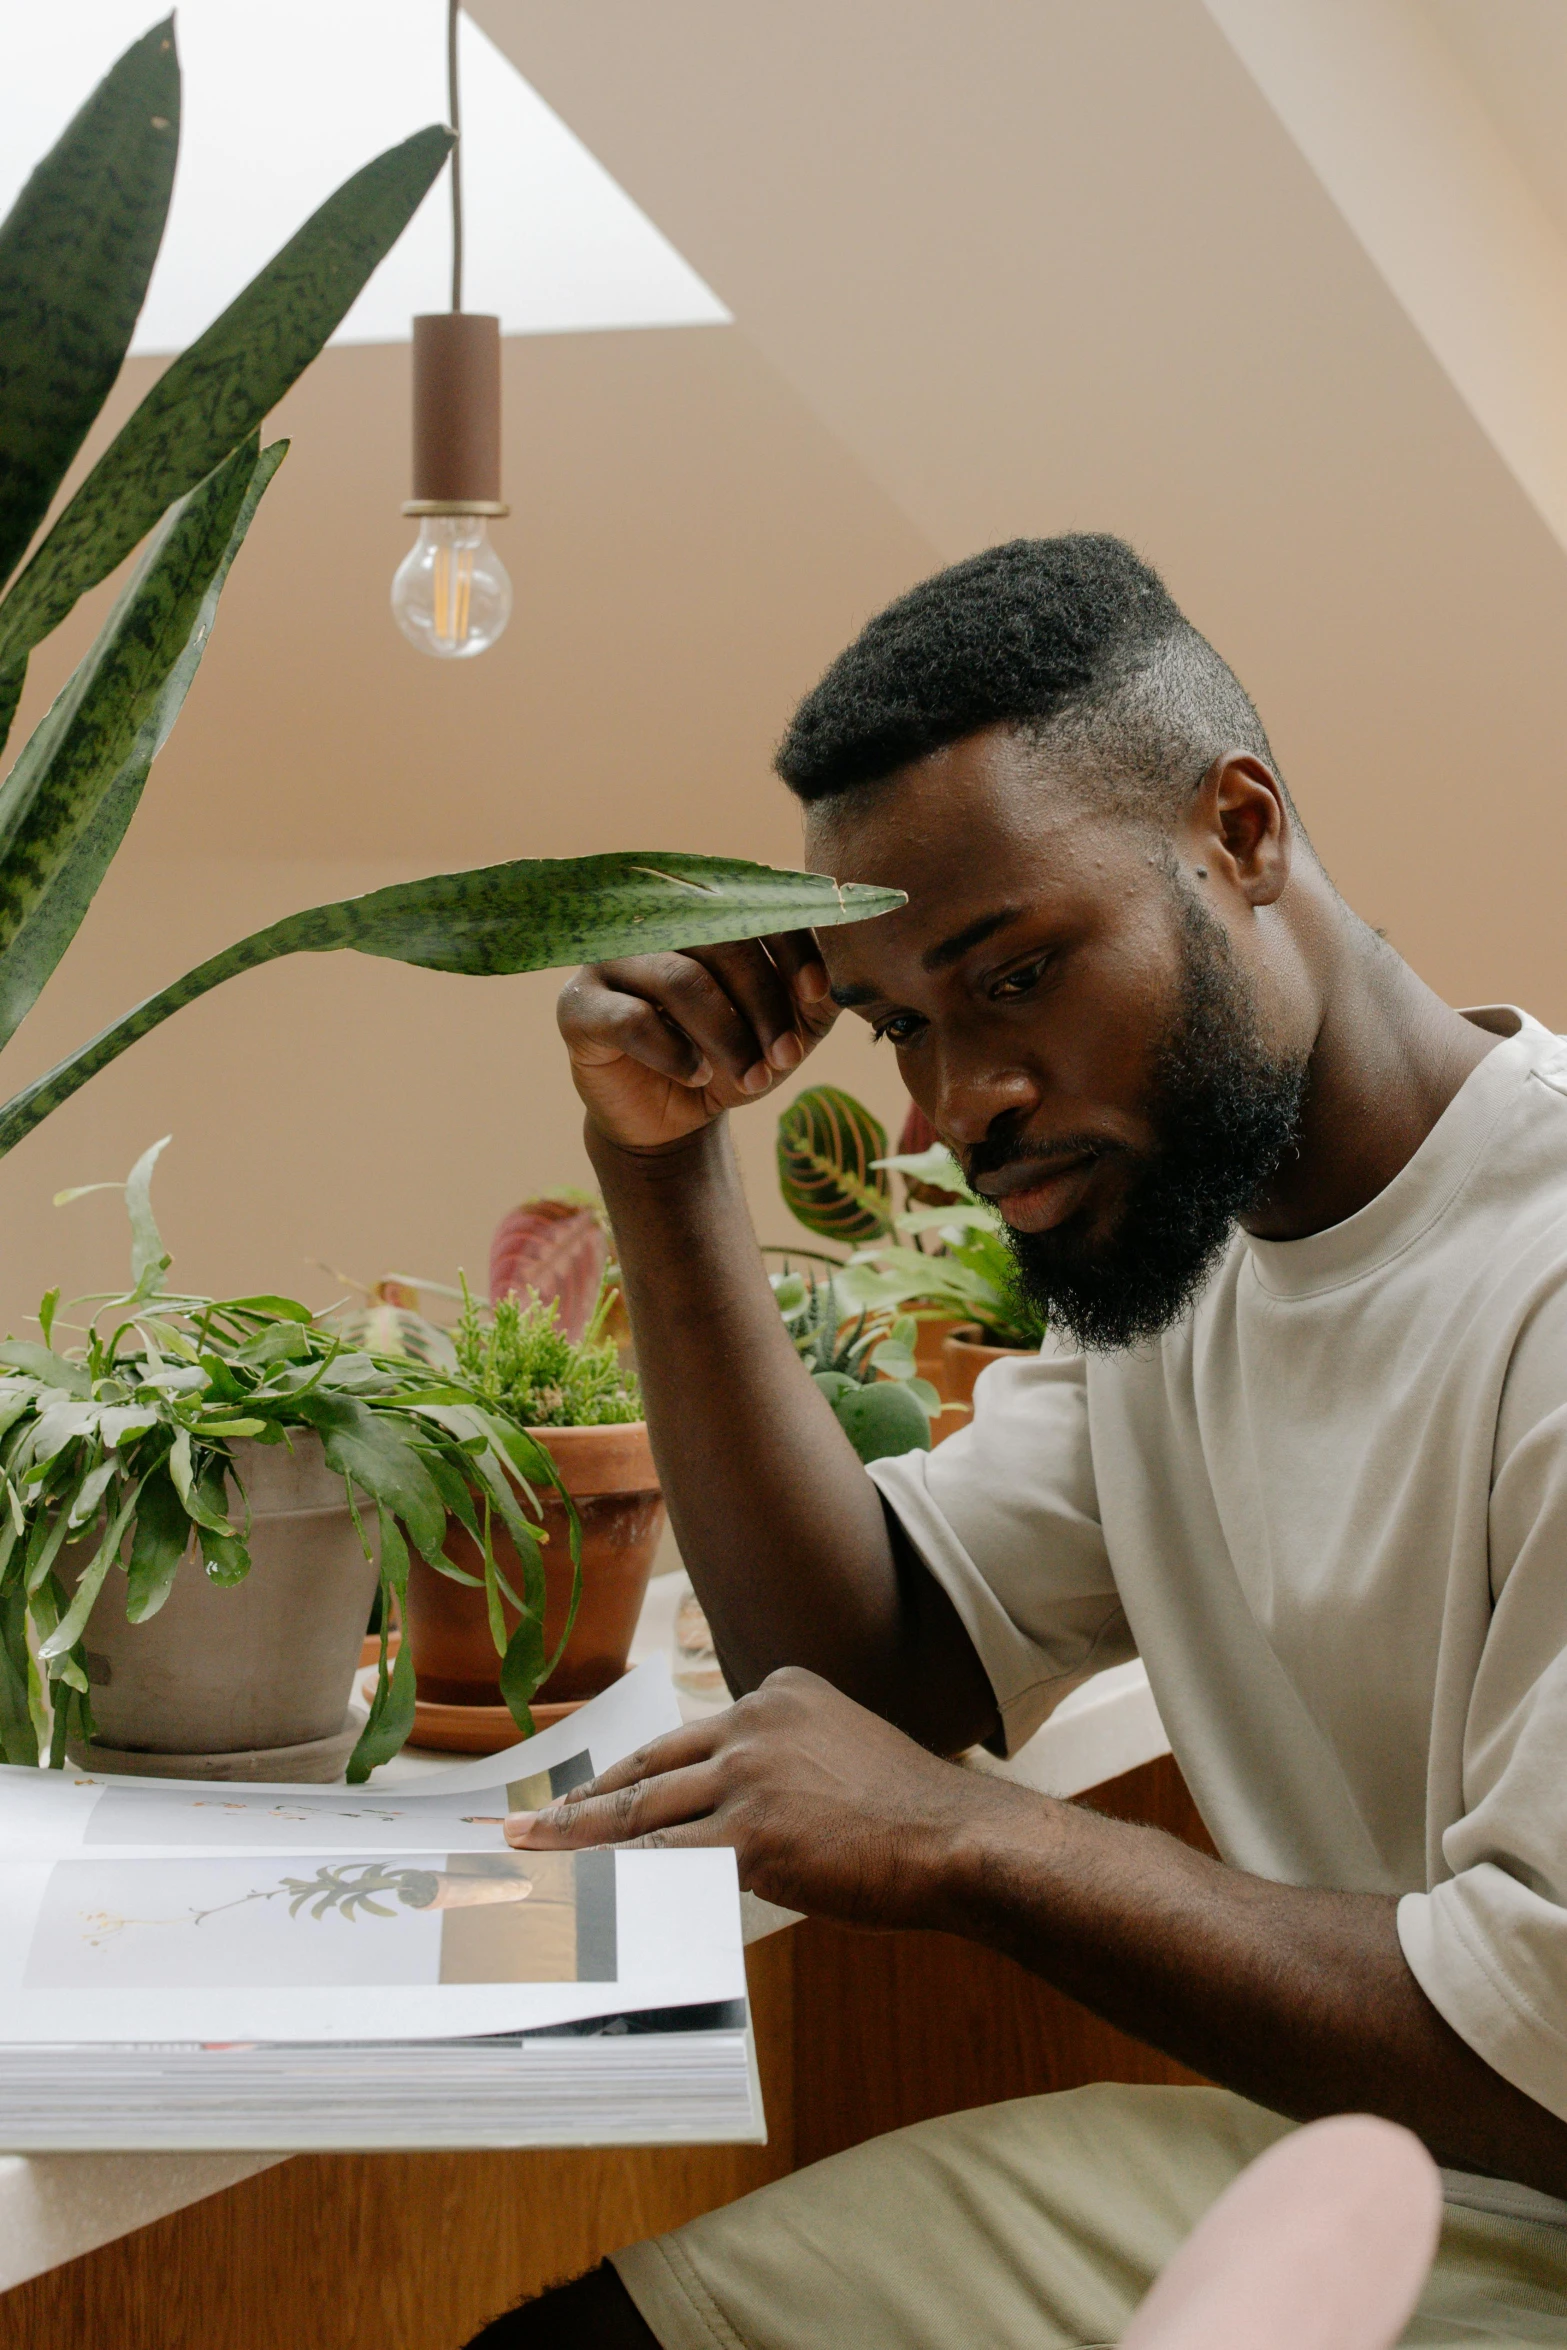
(1062, 267)
(999, 270)
(689, 546)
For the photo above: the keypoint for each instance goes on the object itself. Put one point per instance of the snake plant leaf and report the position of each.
(66, 803)
(534, 915)
(828, 1148)
(76, 251)
(218, 391)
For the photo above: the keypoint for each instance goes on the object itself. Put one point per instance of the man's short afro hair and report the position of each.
(1074, 641)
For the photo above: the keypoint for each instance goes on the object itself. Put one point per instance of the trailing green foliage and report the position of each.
(829, 1148)
(523, 1363)
(116, 1458)
(862, 1362)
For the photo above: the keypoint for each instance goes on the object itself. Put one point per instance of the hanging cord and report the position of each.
(453, 110)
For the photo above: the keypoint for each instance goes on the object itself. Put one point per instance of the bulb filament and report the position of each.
(453, 590)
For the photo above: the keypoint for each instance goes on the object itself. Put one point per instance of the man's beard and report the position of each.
(1226, 1113)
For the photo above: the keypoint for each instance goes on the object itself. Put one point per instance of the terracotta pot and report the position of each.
(964, 1355)
(609, 1474)
(222, 1675)
(929, 1343)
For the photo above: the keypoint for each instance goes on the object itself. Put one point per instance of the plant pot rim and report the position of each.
(614, 1457)
(970, 1334)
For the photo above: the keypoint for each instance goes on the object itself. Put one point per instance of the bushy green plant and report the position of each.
(838, 1189)
(76, 253)
(121, 1445)
(522, 1362)
(969, 1275)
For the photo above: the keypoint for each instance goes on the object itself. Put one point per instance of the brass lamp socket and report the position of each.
(457, 415)
(494, 508)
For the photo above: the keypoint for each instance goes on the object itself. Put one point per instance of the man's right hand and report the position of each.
(660, 1045)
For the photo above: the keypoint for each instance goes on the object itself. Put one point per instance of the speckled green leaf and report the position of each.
(219, 390)
(76, 251)
(65, 804)
(534, 915)
(828, 1145)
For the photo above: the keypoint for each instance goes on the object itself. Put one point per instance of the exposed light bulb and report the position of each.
(451, 594)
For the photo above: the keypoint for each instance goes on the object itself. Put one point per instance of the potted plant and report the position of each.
(583, 1410)
(863, 1362)
(944, 1260)
(76, 253)
(200, 1499)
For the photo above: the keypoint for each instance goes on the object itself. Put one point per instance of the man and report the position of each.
(1298, 1438)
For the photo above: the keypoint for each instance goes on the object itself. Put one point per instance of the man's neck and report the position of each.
(1389, 1056)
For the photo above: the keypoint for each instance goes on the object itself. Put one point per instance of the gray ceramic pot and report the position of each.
(252, 1680)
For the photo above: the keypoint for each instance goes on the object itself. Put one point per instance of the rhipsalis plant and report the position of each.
(76, 253)
(116, 1470)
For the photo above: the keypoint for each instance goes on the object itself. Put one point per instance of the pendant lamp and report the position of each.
(451, 596)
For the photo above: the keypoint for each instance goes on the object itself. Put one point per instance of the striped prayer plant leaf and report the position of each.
(532, 915)
(829, 1146)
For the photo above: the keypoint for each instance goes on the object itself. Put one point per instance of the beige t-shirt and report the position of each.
(1329, 1511)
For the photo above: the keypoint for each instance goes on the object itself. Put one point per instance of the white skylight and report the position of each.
(282, 102)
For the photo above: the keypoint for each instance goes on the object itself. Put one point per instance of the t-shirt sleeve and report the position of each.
(1005, 1516)
(1488, 1944)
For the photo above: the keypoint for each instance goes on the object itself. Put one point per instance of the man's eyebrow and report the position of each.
(848, 999)
(952, 950)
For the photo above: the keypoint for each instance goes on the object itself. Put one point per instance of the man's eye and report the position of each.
(1019, 982)
(901, 1029)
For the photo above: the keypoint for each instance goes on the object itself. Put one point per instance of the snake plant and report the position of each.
(188, 468)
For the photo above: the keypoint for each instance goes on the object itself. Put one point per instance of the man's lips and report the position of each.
(1034, 1195)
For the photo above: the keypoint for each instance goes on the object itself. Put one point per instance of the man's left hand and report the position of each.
(829, 1809)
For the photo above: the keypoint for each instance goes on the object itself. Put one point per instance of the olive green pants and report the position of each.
(1037, 2225)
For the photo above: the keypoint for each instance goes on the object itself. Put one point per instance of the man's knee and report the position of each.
(594, 2313)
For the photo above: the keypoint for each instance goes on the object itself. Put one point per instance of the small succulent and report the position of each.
(862, 1362)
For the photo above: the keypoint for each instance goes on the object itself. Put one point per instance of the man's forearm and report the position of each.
(1297, 1998)
(782, 1531)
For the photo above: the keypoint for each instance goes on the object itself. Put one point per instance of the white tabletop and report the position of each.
(54, 2207)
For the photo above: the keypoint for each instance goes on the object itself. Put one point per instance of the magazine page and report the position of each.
(358, 1947)
(50, 1815)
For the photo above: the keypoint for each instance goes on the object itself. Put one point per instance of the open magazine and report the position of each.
(192, 1963)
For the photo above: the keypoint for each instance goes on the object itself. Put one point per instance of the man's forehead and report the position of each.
(940, 935)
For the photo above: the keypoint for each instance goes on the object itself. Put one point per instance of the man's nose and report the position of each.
(974, 1093)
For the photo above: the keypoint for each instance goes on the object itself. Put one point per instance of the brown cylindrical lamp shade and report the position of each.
(457, 415)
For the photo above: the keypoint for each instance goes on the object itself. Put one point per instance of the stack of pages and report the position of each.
(197, 1963)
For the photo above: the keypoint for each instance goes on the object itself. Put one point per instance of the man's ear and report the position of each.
(1238, 829)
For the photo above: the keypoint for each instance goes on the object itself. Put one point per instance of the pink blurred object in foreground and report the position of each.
(556, 1248)
(1323, 2244)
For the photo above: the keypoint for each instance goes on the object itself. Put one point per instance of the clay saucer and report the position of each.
(478, 1729)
